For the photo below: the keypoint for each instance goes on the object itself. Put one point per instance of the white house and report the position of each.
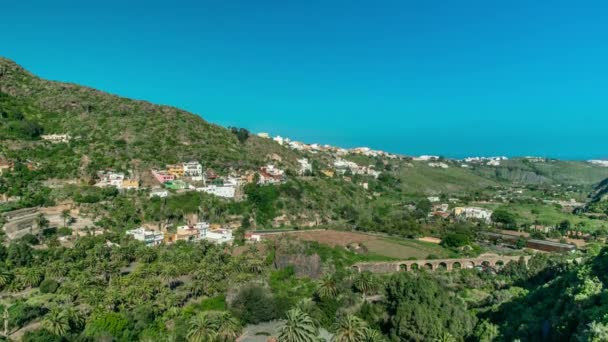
(219, 236)
(305, 166)
(253, 237)
(56, 138)
(439, 165)
(425, 158)
(149, 237)
(279, 139)
(270, 174)
(474, 213)
(203, 229)
(158, 192)
(110, 178)
(599, 162)
(194, 170)
(227, 190)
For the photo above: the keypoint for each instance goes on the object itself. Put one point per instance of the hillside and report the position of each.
(112, 132)
(598, 199)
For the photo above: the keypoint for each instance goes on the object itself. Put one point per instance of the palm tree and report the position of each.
(309, 307)
(298, 327)
(445, 337)
(327, 287)
(213, 326)
(65, 215)
(56, 322)
(230, 328)
(74, 316)
(56, 270)
(5, 278)
(373, 335)
(365, 283)
(29, 277)
(349, 328)
(169, 274)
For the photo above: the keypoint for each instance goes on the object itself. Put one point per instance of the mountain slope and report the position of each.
(112, 131)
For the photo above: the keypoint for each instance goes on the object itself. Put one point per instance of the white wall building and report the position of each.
(226, 191)
(56, 138)
(149, 237)
(219, 236)
(305, 166)
(194, 170)
(110, 178)
(599, 162)
(162, 193)
(439, 165)
(203, 229)
(474, 213)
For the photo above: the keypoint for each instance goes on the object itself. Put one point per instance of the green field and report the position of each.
(405, 249)
(549, 215)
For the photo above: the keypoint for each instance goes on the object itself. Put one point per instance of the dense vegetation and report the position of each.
(126, 291)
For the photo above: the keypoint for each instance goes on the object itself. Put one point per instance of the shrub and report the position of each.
(254, 304)
(49, 286)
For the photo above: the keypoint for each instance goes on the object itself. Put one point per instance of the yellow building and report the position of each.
(458, 211)
(176, 170)
(130, 184)
(328, 173)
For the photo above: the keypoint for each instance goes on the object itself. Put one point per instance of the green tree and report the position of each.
(213, 326)
(65, 215)
(441, 312)
(327, 287)
(298, 327)
(365, 283)
(504, 217)
(485, 331)
(56, 322)
(254, 304)
(349, 328)
(5, 278)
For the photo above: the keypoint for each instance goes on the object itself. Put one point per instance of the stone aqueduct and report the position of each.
(494, 261)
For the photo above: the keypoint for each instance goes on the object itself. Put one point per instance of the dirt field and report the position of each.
(394, 248)
(328, 237)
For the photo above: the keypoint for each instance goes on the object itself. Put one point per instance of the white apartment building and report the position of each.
(194, 170)
(203, 229)
(149, 237)
(305, 166)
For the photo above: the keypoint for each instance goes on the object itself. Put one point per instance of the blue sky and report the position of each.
(454, 78)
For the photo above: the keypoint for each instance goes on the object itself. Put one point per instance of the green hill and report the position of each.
(109, 131)
(112, 131)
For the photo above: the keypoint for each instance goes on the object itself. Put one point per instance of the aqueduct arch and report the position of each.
(497, 261)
